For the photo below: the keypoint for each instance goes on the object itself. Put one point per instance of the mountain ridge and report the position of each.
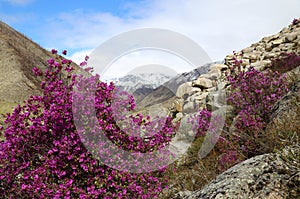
(18, 56)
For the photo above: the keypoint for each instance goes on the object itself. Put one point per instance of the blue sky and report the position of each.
(31, 17)
(218, 26)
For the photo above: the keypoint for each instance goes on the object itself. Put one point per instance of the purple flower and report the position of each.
(84, 63)
(51, 61)
(295, 21)
(64, 61)
(53, 51)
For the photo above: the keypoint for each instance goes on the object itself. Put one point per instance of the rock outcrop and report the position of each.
(268, 176)
(201, 92)
(198, 94)
(259, 55)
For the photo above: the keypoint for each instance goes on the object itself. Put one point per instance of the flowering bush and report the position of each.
(43, 155)
(253, 93)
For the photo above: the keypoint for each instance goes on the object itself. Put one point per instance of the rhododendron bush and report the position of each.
(253, 93)
(43, 155)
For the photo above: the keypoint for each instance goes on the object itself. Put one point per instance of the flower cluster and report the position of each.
(200, 122)
(253, 94)
(121, 140)
(43, 155)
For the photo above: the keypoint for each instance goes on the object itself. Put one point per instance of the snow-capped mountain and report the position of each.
(133, 82)
(150, 87)
(169, 88)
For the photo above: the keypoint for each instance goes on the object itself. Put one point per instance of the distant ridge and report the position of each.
(168, 90)
(18, 55)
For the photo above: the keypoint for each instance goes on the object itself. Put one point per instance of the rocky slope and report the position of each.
(18, 55)
(203, 92)
(268, 175)
(260, 54)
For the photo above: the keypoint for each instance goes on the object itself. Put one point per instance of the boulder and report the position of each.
(291, 37)
(202, 83)
(268, 176)
(269, 55)
(196, 90)
(220, 67)
(247, 50)
(216, 100)
(199, 97)
(183, 89)
(245, 62)
(288, 47)
(269, 47)
(252, 56)
(189, 107)
(260, 65)
(178, 105)
(277, 42)
(178, 117)
(212, 75)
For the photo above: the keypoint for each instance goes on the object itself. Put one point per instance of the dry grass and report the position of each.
(192, 173)
(284, 129)
(5, 107)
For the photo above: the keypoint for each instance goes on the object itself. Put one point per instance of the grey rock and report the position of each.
(216, 100)
(267, 176)
(291, 37)
(269, 47)
(183, 89)
(252, 56)
(189, 107)
(179, 115)
(287, 47)
(248, 50)
(199, 97)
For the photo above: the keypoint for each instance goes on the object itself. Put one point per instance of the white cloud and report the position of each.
(136, 60)
(16, 18)
(218, 26)
(18, 2)
(79, 56)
